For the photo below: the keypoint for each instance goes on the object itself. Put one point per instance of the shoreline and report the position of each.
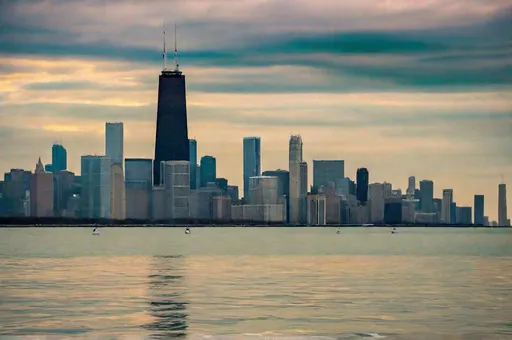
(231, 226)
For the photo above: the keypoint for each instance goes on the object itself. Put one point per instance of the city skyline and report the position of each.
(368, 113)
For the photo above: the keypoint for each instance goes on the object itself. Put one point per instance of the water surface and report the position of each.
(257, 283)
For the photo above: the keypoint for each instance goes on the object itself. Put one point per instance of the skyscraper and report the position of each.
(411, 187)
(192, 145)
(208, 170)
(41, 192)
(294, 160)
(427, 196)
(171, 119)
(478, 218)
(362, 178)
(96, 184)
(138, 184)
(446, 208)
(176, 180)
(252, 160)
(328, 173)
(114, 136)
(59, 158)
(502, 205)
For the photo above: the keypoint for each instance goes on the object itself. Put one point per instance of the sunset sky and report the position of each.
(401, 87)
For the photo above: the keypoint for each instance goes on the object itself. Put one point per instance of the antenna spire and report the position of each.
(164, 54)
(176, 65)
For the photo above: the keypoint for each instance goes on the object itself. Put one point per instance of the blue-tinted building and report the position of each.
(172, 142)
(478, 218)
(222, 184)
(59, 158)
(252, 160)
(427, 196)
(192, 146)
(208, 170)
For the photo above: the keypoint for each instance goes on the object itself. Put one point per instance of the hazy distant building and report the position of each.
(59, 158)
(427, 196)
(437, 206)
(96, 185)
(138, 184)
(172, 142)
(479, 210)
(411, 187)
(222, 184)
(303, 171)
(201, 201)
(453, 213)
(193, 163)
(208, 170)
(117, 193)
(17, 185)
(251, 160)
(176, 181)
(328, 173)
(263, 190)
(233, 192)
(316, 211)
(376, 195)
(41, 192)
(463, 215)
(114, 140)
(294, 161)
(362, 178)
(63, 187)
(388, 189)
(393, 210)
(409, 209)
(446, 206)
(502, 205)
(221, 208)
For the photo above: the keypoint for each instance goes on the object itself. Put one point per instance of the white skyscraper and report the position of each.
(295, 158)
(502, 205)
(411, 187)
(96, 186)
(176, 180)
(114, 136)
(446, 205)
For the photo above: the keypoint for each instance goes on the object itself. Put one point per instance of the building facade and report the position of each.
(96, 185)
(251, 160)
(172, 142)
(41, 192)
(328, 173)
(114, 142)
(294, 161)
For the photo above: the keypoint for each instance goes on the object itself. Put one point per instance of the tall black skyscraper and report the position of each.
(362, 179)
(171, 119)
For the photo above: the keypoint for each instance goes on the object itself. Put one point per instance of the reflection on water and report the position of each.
(167, 303)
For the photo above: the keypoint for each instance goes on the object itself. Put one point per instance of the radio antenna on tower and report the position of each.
(176, 65)
(164, 53)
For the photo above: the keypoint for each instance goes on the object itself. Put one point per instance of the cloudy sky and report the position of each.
(401, 87)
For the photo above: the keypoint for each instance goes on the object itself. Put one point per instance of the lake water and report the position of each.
(256, 283)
